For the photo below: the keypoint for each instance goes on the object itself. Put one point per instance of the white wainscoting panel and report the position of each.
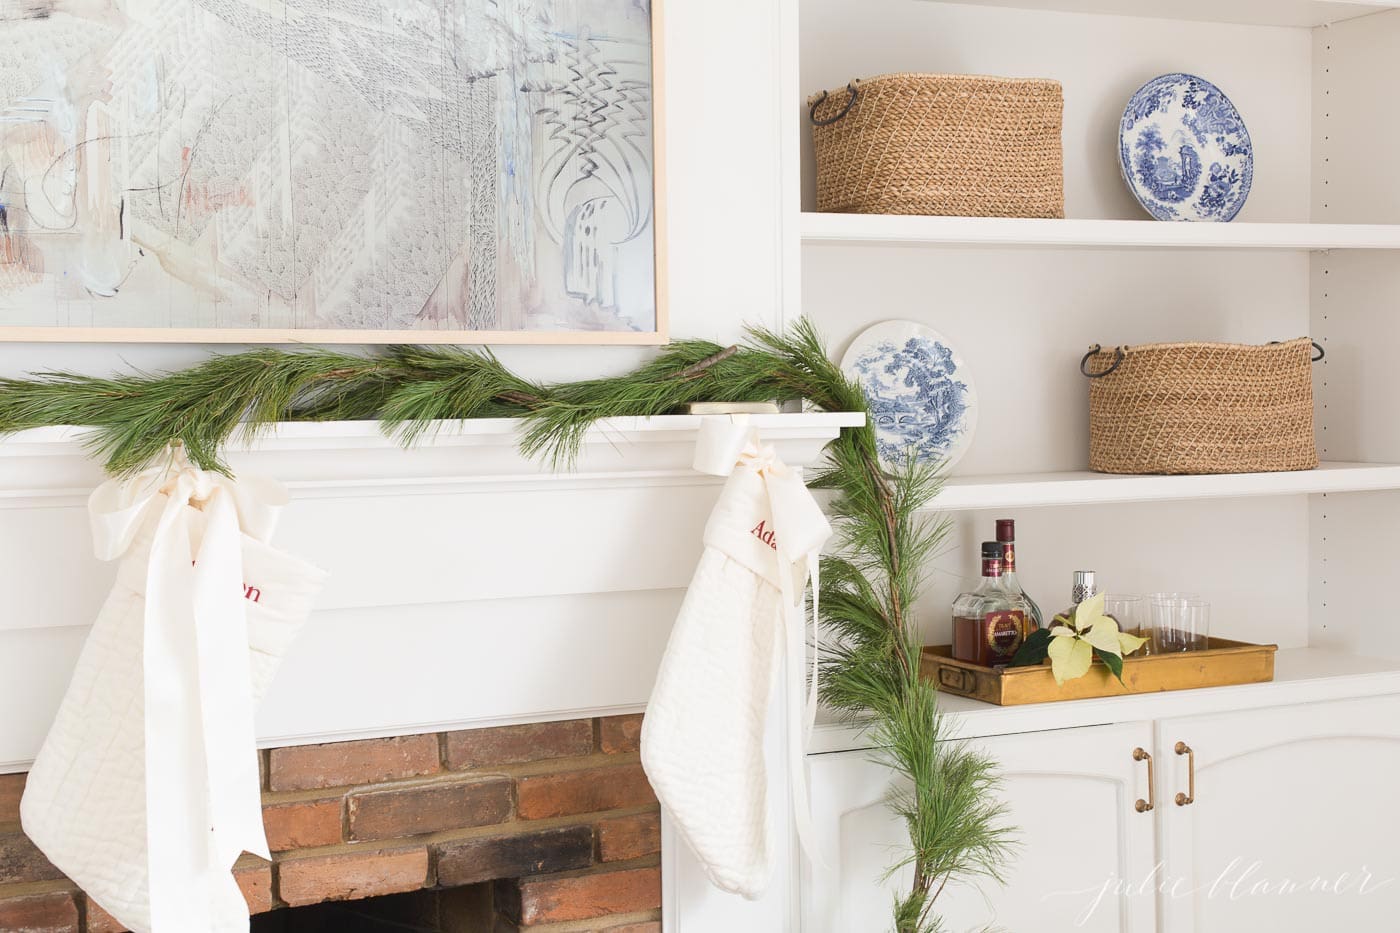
(35, 665)
(461, 665)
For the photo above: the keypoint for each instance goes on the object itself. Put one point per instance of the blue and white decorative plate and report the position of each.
(1185, 150)
(921, 394)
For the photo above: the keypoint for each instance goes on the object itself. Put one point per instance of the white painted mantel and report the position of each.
(468, 585)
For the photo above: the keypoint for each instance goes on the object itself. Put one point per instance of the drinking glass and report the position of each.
(1149, 626)
(1180, 624)
(1128, 612)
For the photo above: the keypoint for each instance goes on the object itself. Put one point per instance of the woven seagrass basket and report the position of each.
(948, 145)
(1201, 408)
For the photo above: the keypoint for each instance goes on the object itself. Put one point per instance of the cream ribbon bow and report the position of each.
(202, 785)
(723, 445)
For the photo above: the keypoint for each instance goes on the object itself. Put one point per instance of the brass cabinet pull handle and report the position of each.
(1145, 805)
(1185, 800)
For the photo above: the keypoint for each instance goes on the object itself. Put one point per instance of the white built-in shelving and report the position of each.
(1304, 13)
(1315, 252)
(1000, 232)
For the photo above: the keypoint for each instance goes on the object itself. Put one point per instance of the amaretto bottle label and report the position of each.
(1003, 631)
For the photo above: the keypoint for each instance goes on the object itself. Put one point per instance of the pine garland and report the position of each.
(946, 792)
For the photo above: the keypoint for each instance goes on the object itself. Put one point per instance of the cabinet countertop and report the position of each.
(1301, 675)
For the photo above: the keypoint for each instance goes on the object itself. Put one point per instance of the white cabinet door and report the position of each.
(1071, 794)
(1293, 826)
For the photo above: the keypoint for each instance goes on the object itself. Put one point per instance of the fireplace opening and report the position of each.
(466, 909)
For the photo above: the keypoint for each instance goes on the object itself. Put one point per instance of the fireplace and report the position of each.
(522, 827)
(457, 715)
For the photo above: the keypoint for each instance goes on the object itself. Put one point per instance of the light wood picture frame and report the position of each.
(444, 172)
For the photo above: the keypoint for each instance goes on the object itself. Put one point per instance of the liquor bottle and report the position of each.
(1006, 534)
(989, 623)
(1085, 588)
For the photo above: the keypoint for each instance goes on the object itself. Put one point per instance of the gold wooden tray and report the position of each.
(1224, 663)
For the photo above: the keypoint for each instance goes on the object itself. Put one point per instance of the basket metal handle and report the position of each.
(812, 111)
(1321, 353)
(1118, 356)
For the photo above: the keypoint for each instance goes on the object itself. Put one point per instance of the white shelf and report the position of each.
(966, 493)
(1097, 234)
(1301, 675)
(1249, 12)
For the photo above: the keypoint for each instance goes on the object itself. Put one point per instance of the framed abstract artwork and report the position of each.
(332, 171)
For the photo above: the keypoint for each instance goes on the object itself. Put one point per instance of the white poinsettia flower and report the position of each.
(1070, 657)
(1090, 613)
(1072, 645)
(1127, 644)
(1104, 636)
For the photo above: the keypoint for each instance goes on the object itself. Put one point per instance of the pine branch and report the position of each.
(136, 417)
(667, 384)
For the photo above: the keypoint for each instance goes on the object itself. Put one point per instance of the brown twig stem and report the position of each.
(697, 369)
(520, 398)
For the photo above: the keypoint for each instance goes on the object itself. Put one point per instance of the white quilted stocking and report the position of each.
(146, 789)
(704, 733)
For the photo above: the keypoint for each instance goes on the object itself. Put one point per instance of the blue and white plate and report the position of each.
(921, 394)
(1185, 150)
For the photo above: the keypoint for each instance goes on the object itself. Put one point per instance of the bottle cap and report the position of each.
(1006, 530)
(1085, 586)
(992, 550)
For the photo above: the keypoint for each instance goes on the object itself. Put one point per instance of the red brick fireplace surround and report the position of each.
(555, 823)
